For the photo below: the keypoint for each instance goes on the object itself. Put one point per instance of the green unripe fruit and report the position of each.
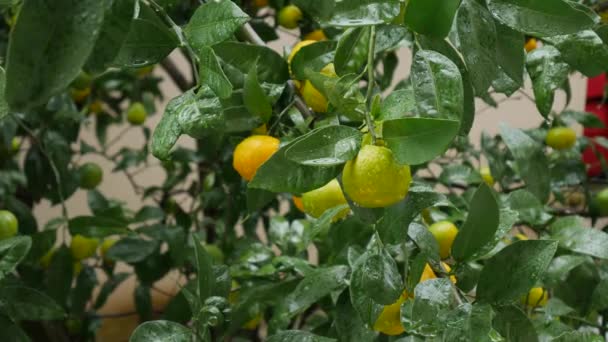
(601, 202)
(215, 253)
(91, 176)
(289, 16)
(137, 114)
(8, 224)
(82, 81)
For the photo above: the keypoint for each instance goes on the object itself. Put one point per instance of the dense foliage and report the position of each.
(322, 202)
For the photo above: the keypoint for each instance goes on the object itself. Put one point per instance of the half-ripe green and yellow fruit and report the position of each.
(137, 114)
(9, 225)
(290, 16)
(374, 179)
(561, 138)
(317, 201)
(83, 247)
(312, 96)
(537, 296)
(444, 232)
(486, 175)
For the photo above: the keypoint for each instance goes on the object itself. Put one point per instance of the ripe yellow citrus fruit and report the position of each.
(262, 130)
(260, 3)
(389, 321)
(96, 107)
(46, 259)
(316, 35)
(561, 138)
(531, 44)
(8, 224)
(297, 49)
(297, 201)
(91, 176)
(252, 152)
(374, 179)
(486, 175)
(289, 16)
(444, 232)
(83, 247)
(137, 114)
(316, 202)
(312, 96)
(536, 297)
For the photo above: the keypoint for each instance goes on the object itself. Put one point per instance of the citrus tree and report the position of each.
(328, 198)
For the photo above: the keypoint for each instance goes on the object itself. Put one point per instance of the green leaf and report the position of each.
(59, 275)
(599, 299)
(437, 86)
(10, 331)
(12, 252)
(548, 73)
(349, 324)
(363, 12)
(272, 68)
(472, 323)
(296, 178)
(560, 267)
(312, 58)
(97, 226)
(316, 285)
(326, 146)
(445, 48)
(399, 104)
(480, 226)
(392, 225)
(573, 236)
(528, 207)
(24, 303)
(298, 336)
(418, 140)
(83, 292)
(530, 159)
(513, 323)
(143, 302)
(584, 51)
(149, 213)
(579, 336)
(477, 36)
(204, 268)
(211, 73)
(41, 61)
(108, 288)
(352, 51)
(116, 25)
(586, 119)
(4, 108)
(256, 101)
(148, 42)
(161, 331)
(431, 17)
(214, 22)
(132, 249)
(431, 298)
(459, 174)
(540, 18)
(509, 53)
(168, 130)
(425, 241)
(375, 275)
(514, 270)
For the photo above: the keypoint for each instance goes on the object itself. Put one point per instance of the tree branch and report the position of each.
(176, 75)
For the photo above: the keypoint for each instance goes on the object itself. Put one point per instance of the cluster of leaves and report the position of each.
(462, 50)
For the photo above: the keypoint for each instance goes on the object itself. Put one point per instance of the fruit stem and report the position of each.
(370, 83)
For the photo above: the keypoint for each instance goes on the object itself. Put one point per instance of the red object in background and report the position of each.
(595, 94)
